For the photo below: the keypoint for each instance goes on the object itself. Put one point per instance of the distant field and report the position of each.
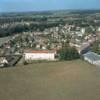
(74, 80)
(2, 40)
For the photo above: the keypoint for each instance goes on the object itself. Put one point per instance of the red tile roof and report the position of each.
(39, 51)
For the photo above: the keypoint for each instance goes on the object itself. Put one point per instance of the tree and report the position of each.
(68, 53)
(96, 47)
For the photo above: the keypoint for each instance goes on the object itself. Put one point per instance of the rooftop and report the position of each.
(92, 56)
(39, 51)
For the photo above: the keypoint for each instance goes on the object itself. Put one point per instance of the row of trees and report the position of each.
(4, 20)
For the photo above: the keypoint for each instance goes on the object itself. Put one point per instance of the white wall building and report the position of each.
(39, 55)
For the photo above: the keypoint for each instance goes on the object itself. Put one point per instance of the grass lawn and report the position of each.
(73, 80)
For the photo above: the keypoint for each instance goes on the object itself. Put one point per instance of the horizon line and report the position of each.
(40, 11)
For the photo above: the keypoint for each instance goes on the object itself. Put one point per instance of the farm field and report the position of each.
(72, 80)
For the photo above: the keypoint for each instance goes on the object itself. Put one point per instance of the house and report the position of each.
(83, 30)
(92, 58)
(3, 61)
(39, 54)
(98, 29)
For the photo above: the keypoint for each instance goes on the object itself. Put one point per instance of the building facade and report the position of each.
(39, 55)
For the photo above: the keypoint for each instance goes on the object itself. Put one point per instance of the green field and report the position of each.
(73, 80)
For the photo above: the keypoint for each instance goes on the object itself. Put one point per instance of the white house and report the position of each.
(98, 29)
(3, 61)
(39, 55)
(83, 30)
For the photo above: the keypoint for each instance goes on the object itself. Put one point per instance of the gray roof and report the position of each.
(92, 56)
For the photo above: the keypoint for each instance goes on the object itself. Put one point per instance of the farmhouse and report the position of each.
(39, 54)
(92, 58)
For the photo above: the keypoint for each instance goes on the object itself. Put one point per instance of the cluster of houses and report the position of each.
(44, 45)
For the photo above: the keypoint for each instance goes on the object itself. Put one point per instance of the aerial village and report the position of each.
(43, 46)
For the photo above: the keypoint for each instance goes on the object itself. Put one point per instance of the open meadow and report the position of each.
(73, 80)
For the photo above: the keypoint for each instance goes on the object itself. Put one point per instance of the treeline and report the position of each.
(82, 12)
(8, 20)
(14, 14)
(19, 28)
